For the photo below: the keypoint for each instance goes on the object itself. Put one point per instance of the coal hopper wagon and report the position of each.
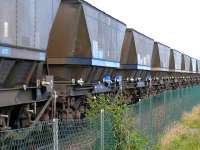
(54, 54)
(24, 32)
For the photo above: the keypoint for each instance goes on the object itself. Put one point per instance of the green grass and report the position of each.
(184, 135)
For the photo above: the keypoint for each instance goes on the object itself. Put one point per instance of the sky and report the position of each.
(175, 23)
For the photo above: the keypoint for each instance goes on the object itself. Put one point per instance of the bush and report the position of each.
(123, 124)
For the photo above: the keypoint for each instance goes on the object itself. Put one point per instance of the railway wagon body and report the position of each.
(198, 66)
(161, 56)
(188, 68)
(23, 41)
(160, 60)
(24, 31)
(186, 65)
(191, 66)
(88, 52)
(175, 61)
(194, 65)
(194, 73)
(84, 45)
(136, 55)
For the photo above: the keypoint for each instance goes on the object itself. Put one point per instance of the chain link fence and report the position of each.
(87, 134)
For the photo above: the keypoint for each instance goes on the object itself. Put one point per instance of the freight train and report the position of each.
(54, 54)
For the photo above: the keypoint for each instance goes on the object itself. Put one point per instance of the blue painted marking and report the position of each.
(143, 67)
(5, 51)
(148, 76)
(42, 56)
(118, 78)
(106, 78)
(104, 63)
(94, 61)
(136, 66)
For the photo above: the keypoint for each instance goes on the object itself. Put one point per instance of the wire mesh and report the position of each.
(156, 114)
(71, 135)
(39, 136)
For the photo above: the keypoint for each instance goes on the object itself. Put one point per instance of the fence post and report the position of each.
(55, 134)
(102, 129)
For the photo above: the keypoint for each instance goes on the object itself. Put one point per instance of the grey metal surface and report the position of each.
(15, 97)
(164, 52)
(177, 60)
(8, 21)
(187, 63)
(144, 48)
(26, 23)
(194, 66)
(56, 5)
(198, 62)
(45, 13)
(106, 34)
(5, 66)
